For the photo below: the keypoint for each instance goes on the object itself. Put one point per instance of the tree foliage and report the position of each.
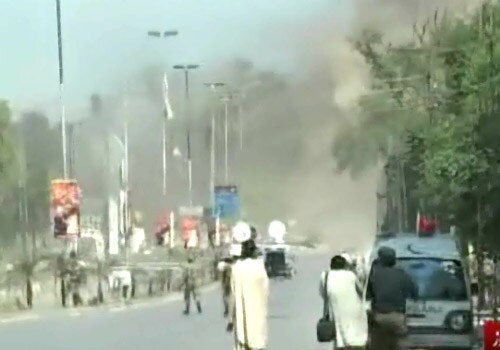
(8, 172)
(435, 111)
(40, 160)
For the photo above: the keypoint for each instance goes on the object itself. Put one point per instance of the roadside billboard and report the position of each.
(65, 208)
(227, 202)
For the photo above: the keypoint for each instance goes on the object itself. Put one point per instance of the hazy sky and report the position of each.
(104, 40)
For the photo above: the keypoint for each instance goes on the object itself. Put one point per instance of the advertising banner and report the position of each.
(190, 227)
(65, 208)
(162, 232)
(227, 202)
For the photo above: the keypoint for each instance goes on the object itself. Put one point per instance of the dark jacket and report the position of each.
(388, 286)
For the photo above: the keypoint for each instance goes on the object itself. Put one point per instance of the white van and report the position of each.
(442, 318)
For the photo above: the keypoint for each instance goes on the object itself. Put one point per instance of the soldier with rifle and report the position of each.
(224, 268)
(190, 285)
(72, 279)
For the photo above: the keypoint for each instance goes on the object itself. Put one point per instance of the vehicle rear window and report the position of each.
(437, 279)
(277, 258)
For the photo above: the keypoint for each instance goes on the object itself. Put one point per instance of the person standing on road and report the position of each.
(389, 287)
(249, 298)
(224, 268)
(344, 295)
(190, 284)
(74, 278)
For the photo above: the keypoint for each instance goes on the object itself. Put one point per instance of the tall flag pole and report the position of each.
(168, 115)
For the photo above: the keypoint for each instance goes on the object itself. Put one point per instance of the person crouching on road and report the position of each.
(344, 297)
(190, 284)
(249, 300)
(389, 287)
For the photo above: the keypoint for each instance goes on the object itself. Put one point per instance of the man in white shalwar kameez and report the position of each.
(250, 292)
(345, 304)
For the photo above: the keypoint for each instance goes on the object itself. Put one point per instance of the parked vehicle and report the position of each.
(279, 261)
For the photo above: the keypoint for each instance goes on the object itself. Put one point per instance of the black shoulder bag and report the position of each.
(325, 328)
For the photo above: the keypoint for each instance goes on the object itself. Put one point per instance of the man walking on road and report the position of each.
(190, 284)
(250, 292)
(388, 289)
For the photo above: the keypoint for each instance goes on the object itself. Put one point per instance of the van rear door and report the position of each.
(443, 293)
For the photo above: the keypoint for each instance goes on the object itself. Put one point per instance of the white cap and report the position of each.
(277, 230)
(241, 232)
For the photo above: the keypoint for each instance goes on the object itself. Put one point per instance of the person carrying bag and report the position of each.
(344, 320)
(325, 328)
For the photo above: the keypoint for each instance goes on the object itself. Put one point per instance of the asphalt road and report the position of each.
(294, 309)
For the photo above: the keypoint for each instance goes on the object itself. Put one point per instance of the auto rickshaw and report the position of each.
(279, 262)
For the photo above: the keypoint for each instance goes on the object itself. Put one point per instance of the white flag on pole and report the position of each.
(166, 100)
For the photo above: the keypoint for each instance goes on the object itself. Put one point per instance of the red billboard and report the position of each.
(65, 208)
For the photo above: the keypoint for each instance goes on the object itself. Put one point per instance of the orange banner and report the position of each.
(65, 207)
(190, 227)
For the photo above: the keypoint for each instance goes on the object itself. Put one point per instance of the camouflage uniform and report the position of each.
(225, 273)
(190, 283)
(74, 275)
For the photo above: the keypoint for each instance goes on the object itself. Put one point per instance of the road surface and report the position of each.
(294, 310)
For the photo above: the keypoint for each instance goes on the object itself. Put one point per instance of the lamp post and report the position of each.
(158, 35)
(213, 86)
(226, 99)
(186, 68)
(61, 89)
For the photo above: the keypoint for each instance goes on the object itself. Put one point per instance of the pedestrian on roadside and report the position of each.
(254, 233)
(343, 294)
(249, 298)
(224, 268)
(389, 287)
(74, 278)
(190, 285)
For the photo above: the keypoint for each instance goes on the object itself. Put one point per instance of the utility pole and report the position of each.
(125, 169)
(158, 35)
(226, 99)
(71, 165)
(61, 90)
(72, 148)
(186, 69)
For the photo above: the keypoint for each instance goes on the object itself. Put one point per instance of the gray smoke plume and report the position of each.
(286, 169)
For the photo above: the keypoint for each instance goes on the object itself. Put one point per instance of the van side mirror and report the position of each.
(474, 288)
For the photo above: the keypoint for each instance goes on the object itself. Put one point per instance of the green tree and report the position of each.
(440, 110)
(40, 154)
(8, 174)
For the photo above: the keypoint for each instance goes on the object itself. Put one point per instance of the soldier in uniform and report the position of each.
(74, 276)
(190, 284)
(254, 233)
(224, 268)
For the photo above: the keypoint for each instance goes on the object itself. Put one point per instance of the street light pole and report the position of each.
(186, 68)
(61, 89)
(166, 34)
(213, 87)
(125, 187)
(226, 100)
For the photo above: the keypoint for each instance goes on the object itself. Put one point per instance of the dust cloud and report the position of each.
(341, 210)
(286, 168)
